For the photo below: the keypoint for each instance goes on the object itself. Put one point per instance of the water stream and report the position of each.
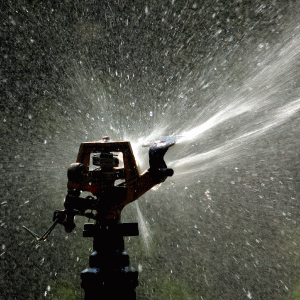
(256, 108)
(224, 77)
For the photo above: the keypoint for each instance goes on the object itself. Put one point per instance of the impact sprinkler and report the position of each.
(107, 169)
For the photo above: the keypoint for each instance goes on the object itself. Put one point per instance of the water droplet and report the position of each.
(12, 21)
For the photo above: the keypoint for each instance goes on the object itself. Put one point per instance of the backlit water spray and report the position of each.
(232, 149)
(226, 225)
(221, 133)
(226, 131)
(258, 107)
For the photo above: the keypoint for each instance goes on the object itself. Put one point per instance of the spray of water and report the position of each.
(212, 138)
(231, 149)
(221, 120)
(143, 227)
(258, 107)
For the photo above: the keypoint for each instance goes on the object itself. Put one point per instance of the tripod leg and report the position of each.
(109, 277)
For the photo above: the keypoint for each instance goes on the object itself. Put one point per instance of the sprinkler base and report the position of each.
(109, 275)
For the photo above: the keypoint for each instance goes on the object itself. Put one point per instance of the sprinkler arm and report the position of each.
(156, 174)
(158, 167)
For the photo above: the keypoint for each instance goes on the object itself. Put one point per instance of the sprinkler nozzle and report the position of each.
(158, 167)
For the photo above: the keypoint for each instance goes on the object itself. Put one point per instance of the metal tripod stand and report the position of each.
(109, 276)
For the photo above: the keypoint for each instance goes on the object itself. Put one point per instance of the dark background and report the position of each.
(73, 71)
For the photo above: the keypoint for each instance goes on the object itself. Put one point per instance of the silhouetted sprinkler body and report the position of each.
(97, 169)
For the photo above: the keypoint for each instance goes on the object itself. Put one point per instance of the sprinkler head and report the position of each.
(97, 171)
